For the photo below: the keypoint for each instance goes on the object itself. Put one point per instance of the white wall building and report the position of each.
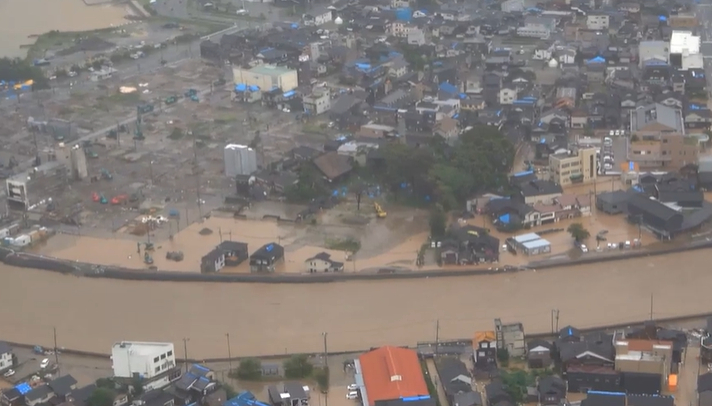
(687, 47)
(145, 359)
(537, 27)
(5, 356)
(239, 160)
(597, 21)
(653, 50)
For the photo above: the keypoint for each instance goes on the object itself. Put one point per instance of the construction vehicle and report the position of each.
(380, 213)
(112, 134)
(219, 82)
(190, 93)
(90, 153)
(106, 174)
(147, 258)
(174, 255)
(120, 199)
(171, 100)
(95, 197)
(194, 98)
(144, 108)
(103, 200)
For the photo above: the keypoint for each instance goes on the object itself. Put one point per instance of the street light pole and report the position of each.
(229, 352)
(326, 364)
(185, 351)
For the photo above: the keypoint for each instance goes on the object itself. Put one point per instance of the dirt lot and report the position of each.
(387, 242)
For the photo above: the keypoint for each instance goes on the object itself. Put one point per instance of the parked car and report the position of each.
(583, 248)
(352, 395)
(45, 363)
(9, 373)
(352, 388)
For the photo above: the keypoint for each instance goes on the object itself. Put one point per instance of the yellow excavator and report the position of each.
(380, 213)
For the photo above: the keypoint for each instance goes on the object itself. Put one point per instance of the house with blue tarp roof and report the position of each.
(266, 258)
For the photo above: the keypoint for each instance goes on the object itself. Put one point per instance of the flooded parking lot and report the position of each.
(91, 314)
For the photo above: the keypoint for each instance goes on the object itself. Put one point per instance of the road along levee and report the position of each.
(92, 313)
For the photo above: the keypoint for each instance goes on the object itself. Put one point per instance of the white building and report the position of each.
(267, 77)
(145, 359)
(5, 356)
(597, 22)
(685, 50)
(239, 160)
(653, 50)
(320, 16)
(537, 27)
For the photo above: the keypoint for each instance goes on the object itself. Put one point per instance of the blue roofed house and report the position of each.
(244, 399)
(193, 385)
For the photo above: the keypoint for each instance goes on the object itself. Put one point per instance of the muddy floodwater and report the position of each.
(20, 19)
(271, 319)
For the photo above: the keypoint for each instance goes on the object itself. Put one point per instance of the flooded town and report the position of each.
(355, 202)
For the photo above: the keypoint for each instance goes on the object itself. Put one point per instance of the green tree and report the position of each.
(503, 356)
(298, 367)
(101, 397)
(17, 70)
(438, 221)
(229, 391)
(515, 384)
(321, 376)
(106, 383)
(250, 369)
(309, 186)
(578, 232)
(137, 386)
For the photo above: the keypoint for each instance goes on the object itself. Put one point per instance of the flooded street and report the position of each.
(20, 19)
(274, 319)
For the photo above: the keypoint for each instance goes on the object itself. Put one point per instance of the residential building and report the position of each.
(498, 395)
(644, 364)
(322, 262)
(6, 356)
(292, 394)
(416, 37)
(552, 390)
(507, 94)
(58, 388)
(484, 353)
(213, 261)
(393, 376)
(318, 16)
(529, 244)
(140, 358)
(574, 166)
(539, 354)
(246, 398)
(194, 385)
(537, 27)
(658, 50)
(266, 258)
(333, 166)
(658, 139)
(454, 377)
(704, 389)
(227, 253)
(267, 77)
(29, 188)
(658, 217)
(597, 22)
(539, 191)
(239, 160)
(510, 337)
(318, 102)
(685, 21)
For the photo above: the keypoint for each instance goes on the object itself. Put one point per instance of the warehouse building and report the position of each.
(267, 77)
(391, 376)
(32, 187)
(530, 244)
(239, 160)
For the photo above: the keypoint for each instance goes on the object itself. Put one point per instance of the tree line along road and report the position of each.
(266, 319)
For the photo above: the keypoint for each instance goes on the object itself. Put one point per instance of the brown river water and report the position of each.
(265, 319)
(20, 19)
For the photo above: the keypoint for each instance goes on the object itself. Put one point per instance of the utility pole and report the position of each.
(326, 364)
(652, 298)
(229, 352)
(437, 337)
(554, 320)
(185, 351)
(197, 177)
(56, 354)
(557, 320)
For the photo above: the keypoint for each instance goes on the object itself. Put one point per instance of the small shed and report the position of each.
(537, 247)
(539, 354)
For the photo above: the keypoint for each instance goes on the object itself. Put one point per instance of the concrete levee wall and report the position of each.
(91, 270)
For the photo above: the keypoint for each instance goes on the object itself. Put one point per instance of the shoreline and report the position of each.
(539, 335)
(52, 264)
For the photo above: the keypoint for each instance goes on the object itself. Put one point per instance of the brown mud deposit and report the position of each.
(272, 319)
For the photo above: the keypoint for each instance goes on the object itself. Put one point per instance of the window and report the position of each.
(158, 369)
(170, 353)
(155, 359)
(163, 356)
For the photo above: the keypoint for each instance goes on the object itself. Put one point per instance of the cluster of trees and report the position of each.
(18, 70)
(296, 367)
(516, 381)
(479, 162)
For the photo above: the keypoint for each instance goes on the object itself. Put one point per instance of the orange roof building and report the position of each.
(391, 373)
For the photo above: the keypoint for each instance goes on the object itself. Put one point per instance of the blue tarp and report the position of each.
(289, 93)
(504, 218)
(662, 18)
(415, 398)
(23, 388)
(404, 14)
(244, 399)
(254, 88)
(240, 87)
(598, 59)
(525, 173)
(448, 88)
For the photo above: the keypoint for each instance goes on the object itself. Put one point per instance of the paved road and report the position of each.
(435, 379)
